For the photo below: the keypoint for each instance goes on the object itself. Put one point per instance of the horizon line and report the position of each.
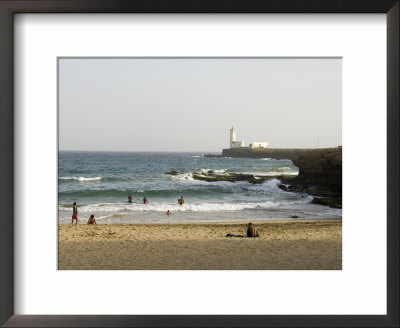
(143, 151)
(183, 151)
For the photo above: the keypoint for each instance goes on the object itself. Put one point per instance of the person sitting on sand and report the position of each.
(145, 201)
(130, 198)
(181, 201)
(92, 220)
(75, 213)
(252, 231)
(169, 213)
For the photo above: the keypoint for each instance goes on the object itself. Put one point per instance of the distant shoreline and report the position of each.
(143, 151)
(204, 152)
(274, 153)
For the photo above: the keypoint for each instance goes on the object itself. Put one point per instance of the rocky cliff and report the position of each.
(321, 167)
(320, 170)
(316, 166)
(320, 175)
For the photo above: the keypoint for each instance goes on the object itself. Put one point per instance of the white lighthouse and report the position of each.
(233, 134)
(234, 143)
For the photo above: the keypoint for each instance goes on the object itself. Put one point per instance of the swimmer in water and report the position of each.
(92, 220)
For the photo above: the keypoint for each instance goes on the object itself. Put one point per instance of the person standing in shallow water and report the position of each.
(145, 201)
(130, 198)
(75, 213)
(181, 201)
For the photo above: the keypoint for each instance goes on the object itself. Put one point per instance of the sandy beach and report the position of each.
(283, 245)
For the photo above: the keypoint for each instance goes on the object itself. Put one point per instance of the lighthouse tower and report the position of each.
(233, 135)
(234, 143)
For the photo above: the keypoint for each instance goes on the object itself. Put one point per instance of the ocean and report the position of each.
(100, 183)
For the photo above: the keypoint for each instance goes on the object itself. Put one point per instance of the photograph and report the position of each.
(199, 163)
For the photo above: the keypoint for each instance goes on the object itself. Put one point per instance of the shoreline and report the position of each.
(282, 245)
(255, 221)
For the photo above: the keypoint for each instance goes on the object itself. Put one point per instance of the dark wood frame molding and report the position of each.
(10, 7)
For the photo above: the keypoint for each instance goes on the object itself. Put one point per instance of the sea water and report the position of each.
(100, 183)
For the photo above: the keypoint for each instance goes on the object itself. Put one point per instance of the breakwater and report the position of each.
(274, 153)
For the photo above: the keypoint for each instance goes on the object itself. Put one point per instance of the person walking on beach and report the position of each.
(75, 213)
(181, 201)
(130, 198)
(92, 220)
(252, 231)
(145, 201)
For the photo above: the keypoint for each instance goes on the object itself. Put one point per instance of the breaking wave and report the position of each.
(80, 179)
(125, 208)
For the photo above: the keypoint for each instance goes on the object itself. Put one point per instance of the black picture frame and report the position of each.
(10, 7)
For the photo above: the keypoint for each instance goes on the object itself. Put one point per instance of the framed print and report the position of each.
(120, 119)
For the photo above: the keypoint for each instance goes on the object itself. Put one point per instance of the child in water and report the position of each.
(145, 201)
(92, 220)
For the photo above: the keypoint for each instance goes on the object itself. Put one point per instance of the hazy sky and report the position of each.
(190, 104)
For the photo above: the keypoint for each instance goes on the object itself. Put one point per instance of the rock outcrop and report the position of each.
(321, 167)
(173, 173)
(320, 175)
(234, 177)
(211, 176)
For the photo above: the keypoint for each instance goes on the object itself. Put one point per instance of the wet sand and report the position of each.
(283, 245)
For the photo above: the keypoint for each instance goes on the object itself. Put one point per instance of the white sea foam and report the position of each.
(120, 209)
(189, 176)
(272, 173)
(207, 170)
(111, 216)
(270, 184)
(80, 179)
(183, 176)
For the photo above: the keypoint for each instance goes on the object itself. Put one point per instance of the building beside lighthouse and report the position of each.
(240, 144)
(234, 143)
(258, 144)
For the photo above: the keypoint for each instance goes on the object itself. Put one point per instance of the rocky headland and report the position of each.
(320, 175)
(320, 172)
